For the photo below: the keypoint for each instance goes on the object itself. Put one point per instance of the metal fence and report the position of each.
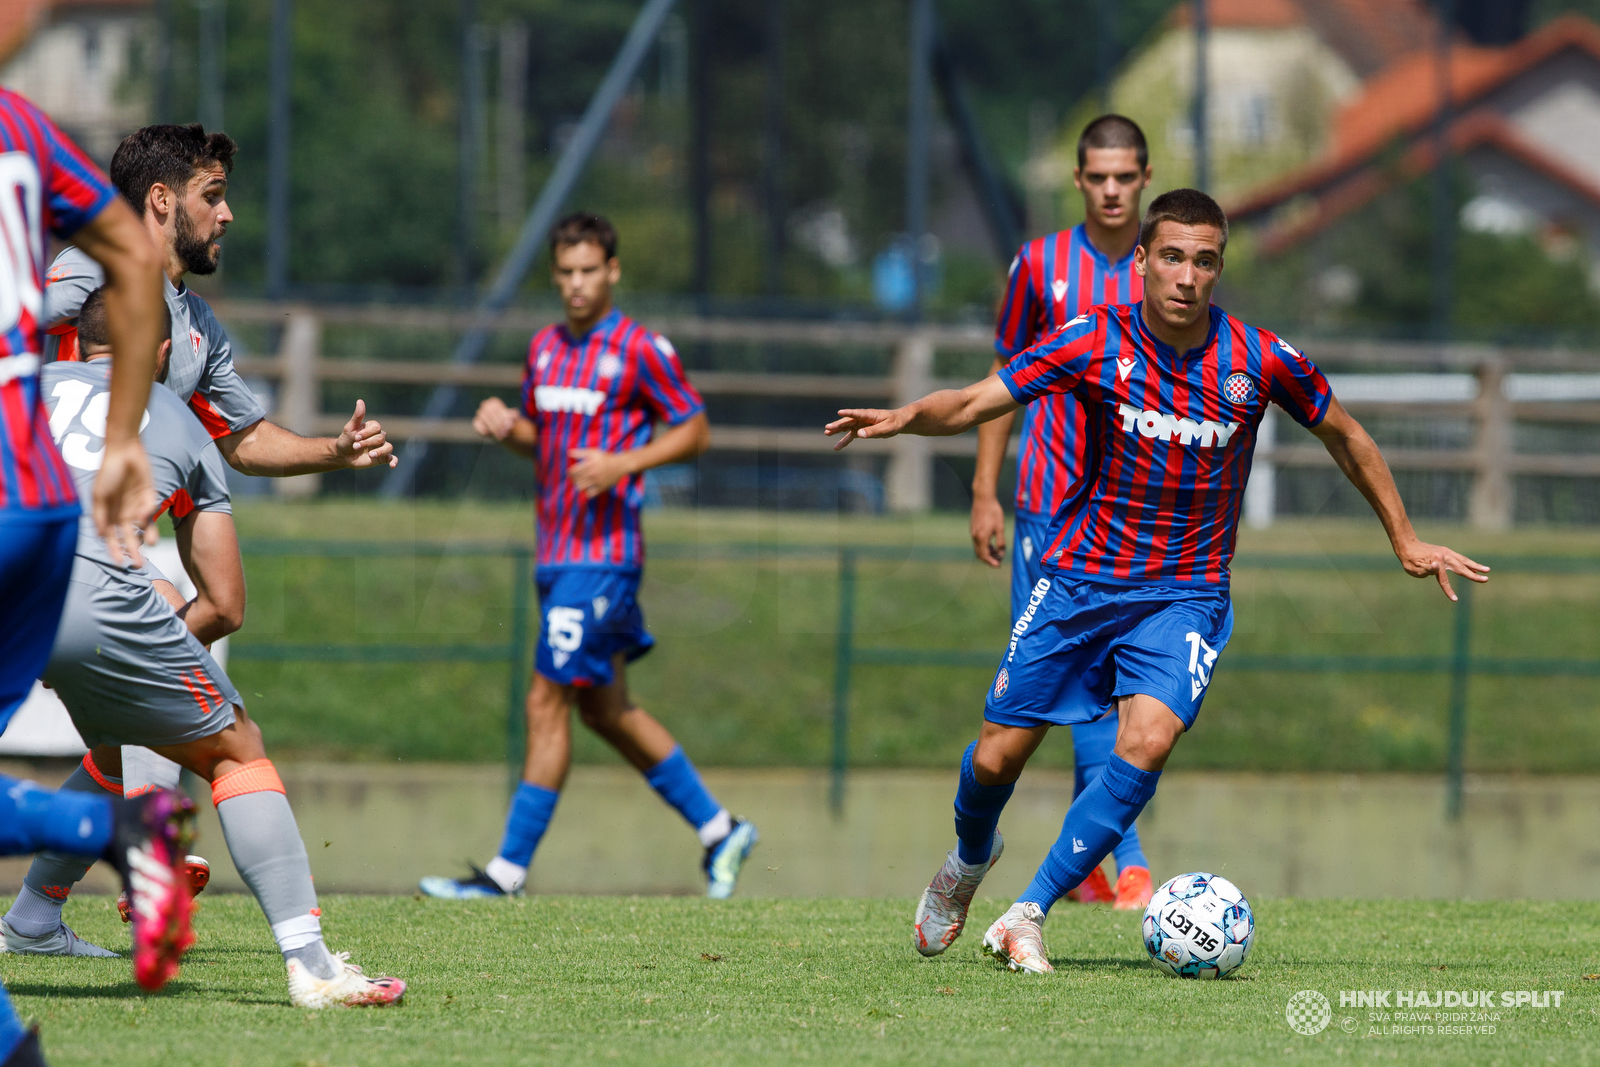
(1460, 664)
(512, 652)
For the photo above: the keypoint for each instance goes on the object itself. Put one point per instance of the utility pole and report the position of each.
(1202, 149)
(469, 123)
(1444, 222)
(511, 153)
(278, 100)
(700, 147)
(213, 61)
(919, 120)
(161, 63)
(772, 161)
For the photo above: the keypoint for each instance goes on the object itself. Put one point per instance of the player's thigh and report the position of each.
(35, 564)
(587, 616)
(1171, 649)
(130, 672)
(1057, 668)
(600, 705)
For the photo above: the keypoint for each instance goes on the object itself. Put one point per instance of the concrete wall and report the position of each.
(377, 828)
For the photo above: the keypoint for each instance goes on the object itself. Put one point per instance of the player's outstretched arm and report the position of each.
(594, 470)
(208, 544)
(267, 449)
(1357, 455)
(942, 414)
(506, 426)
(988, 523)
(124, 495)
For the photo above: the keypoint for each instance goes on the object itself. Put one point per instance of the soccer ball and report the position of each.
(1198, 926)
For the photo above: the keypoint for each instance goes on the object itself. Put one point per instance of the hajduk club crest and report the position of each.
(1238, 389)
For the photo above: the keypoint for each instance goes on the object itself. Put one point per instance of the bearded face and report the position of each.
(199, 253)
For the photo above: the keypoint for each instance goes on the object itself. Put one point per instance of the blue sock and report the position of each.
(33, 819)
(1096, 821)
(530, 813)
(978, 809)
(1092, 743)
(679, 785)
(11, 1029)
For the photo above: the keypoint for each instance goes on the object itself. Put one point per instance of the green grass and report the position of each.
(744, 669)
(679, 980)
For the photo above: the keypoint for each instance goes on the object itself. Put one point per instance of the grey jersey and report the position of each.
(200, 369)
(188, 471)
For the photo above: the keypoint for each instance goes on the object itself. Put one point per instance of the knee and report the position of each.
(1147, 745)
(600, 719)
(995, 766)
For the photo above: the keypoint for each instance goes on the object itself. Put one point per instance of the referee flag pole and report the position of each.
(569, 168)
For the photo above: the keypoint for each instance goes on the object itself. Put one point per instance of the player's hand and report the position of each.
(866, 423)
(363, 443)
(125, 501)
(1421, 559)
(595, 470)
(494, 420)
(988, 530)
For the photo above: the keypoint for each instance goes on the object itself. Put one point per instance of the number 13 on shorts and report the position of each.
(1201, 657)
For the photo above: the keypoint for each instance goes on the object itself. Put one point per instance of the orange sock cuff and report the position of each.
(257, 776)
(105, 783)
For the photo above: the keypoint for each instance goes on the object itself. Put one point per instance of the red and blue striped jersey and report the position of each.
(1052, 280)
(46, 184)
(602, 390)
(1169, 440)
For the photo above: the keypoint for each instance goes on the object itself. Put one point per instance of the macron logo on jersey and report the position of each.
(1206, 434)
(568, 398)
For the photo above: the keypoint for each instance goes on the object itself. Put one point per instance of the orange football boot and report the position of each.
(195, 869)
(1133, 889)
(1095, 889)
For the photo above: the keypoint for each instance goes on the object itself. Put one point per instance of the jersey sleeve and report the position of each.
(1014, 329)
(222, 400)
(1295, 384)
(208, 486)
(525, 403)
(67, 284)
(75, 190)
(1057, 364)
(662, 384)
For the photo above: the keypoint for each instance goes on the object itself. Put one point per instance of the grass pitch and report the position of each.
(679, 980)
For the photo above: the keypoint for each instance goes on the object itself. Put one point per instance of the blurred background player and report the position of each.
(591, 389)
(176, 179)
(1053, 280)
(48, 184)
(1134, 610)
(130, 672)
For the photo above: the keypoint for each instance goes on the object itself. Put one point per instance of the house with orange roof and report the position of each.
(1280, 72)
(81, 61)
(1524, 126)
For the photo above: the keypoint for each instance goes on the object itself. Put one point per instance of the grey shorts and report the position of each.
(127, 668)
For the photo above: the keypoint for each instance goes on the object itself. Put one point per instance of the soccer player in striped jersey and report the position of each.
(1133, 610)
(591, 390)
(1054, 279)
(47, 184)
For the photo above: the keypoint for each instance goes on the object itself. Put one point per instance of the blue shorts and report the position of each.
(1027, 546)
(1077, 646)
(36, 549)
(586, 616)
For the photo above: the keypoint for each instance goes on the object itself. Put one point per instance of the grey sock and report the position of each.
(142, 769)
(51, 876)
(266, 848)
(315, 957)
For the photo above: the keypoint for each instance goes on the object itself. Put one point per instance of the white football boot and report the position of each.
(942, 911)
(1017, 939)
(348, 988)
(61, 942)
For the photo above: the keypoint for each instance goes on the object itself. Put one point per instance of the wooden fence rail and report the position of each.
(300, 368)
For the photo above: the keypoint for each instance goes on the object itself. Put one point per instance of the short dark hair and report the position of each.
(92, 329)
(581, 226)
(167, 154)
(1113, 131)
(1186, 207)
